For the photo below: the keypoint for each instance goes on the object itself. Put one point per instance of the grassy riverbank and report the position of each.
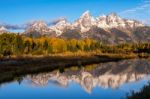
(19, 66)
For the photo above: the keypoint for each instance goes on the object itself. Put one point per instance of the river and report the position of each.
(111, 80)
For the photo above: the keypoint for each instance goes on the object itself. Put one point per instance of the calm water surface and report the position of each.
(111, 80)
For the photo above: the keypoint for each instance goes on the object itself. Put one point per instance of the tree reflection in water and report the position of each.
(105, 75)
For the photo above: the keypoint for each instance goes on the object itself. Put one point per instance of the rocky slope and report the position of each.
(110, 29)
(106, 28)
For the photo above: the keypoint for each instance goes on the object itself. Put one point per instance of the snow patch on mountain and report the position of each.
(84, 24)
(60, 26)
(2, 29)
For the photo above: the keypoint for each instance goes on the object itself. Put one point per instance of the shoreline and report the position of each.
(21, 66)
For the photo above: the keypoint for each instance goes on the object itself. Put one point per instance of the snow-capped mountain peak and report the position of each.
(60, 25)
(85, 22)
(37, 28)
(2, 29)
(38, 24)
(104, 27)
(114, 15)
(61, 21)
(86, 14)
(115, 21)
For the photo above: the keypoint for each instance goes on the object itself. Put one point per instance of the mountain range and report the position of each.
(105, 75)
(110, 29)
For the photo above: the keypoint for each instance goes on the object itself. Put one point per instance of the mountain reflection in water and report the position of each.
(104, 75)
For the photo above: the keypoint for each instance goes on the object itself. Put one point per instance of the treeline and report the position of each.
(16, 44)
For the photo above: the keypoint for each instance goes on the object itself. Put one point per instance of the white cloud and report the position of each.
(11, 27)
(141, 12)
(55, 21)
(147, 1)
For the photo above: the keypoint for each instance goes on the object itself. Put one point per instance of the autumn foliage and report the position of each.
(16, 44)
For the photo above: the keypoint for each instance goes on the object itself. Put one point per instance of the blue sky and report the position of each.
(22, 11)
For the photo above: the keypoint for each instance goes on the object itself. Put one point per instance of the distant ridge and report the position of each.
(106, 28)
